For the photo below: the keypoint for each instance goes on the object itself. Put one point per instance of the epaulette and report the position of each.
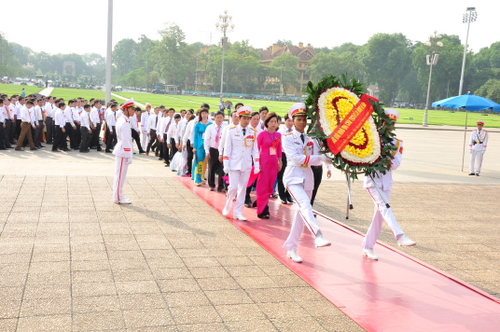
(253, 129)
(288, 134)
(232, 127)
(399, 140)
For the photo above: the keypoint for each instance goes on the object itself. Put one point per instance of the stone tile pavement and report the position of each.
(71, 260)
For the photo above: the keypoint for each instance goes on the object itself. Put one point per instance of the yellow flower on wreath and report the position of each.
(345, 103)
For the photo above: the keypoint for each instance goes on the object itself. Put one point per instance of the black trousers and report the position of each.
(215, 167)
(86, 137)
(17, 128)
(318, 176)
(164, 153)
(69, 133)
(94, 142)
(49, 125)
(283, 193)
(6, 133)
(3, 146)
(137, 139)
(173, 148)
(153, 140)
(77, 136)
(12, 131)
(189, 150)
(59, 139)
(110, 138)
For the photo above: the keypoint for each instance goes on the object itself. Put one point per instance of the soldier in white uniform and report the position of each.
(239, 149)
(380, 191)
(298, 179)
(123, 151)
(477, 147)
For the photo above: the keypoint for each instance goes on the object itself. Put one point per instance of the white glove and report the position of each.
(256, 170)
(128, 160)
(483, 151)
(226, 169)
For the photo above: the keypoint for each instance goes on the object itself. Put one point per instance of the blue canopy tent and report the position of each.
(469, 102)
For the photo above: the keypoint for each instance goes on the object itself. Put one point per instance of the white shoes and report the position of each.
(225, 212)
(292, 254)
(406, 241)
(320, 241)
(241, 217)
(369, 253)
(123, 201)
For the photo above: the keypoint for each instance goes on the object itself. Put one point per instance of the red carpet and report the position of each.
(397, 293)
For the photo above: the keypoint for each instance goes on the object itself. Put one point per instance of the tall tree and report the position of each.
(387, 61)
(337, 64)
(124, 56)
(174, 58)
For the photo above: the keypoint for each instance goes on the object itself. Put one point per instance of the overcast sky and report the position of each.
(71, 26)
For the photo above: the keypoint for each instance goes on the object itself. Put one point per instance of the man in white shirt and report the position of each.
(38, 114)
(187, 143)
(254, 124)
(153, 120)
(49, 119)
(173, 137)
(163, 127)
(95, 117)
(19, 103)
(59, 128)
(26, 124)
(70, 126)
(3, 125)
(85, 129)
(135, 128)
(212, 141)
(110, 126)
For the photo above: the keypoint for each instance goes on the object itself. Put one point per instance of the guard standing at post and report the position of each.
(477, 148)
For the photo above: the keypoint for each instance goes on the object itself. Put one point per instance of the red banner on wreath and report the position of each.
(348, 127)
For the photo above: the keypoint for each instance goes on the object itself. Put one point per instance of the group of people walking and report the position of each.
(256, 150)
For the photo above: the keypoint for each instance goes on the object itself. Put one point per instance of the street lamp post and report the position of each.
(223, 24)
(469, 16)
(434, 44)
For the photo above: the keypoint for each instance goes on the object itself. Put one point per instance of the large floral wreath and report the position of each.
(331, 104)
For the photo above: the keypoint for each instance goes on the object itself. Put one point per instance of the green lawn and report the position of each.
(14, 89)
(449, 118)
(186, 102)
(408, 116)
(68, 94)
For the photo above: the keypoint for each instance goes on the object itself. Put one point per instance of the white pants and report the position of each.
(237, 188)
(473, 156)
(144, 139)
(121, 168)
(380, 214)
(303, 215)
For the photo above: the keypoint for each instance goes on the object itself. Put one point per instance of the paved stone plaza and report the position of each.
(71, 260)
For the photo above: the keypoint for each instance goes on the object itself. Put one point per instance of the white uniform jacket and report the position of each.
(384, 181)
(239, 149)
(123, 147)
(300, 156)
(478, 140)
